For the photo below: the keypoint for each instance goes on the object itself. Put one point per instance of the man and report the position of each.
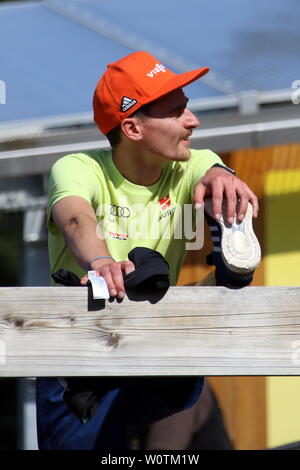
(95, 198)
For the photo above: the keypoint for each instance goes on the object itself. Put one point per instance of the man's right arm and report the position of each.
(76, 220)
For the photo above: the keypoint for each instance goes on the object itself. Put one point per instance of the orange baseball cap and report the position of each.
(131, 82)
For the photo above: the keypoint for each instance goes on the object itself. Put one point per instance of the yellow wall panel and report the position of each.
(283, 410)
(282, 267)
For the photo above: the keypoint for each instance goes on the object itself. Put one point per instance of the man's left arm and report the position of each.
(219, 184)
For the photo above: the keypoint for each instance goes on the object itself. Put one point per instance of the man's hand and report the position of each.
(112, 272)
(219, 184)
(77, 221)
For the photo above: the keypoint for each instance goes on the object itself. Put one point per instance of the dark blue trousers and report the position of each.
(140, 404)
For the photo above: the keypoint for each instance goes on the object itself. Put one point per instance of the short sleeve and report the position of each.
(71, 175)
(199, 163)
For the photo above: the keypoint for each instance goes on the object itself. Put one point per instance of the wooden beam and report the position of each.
(62, 331)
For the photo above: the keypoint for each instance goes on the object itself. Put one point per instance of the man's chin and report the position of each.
(186, 155)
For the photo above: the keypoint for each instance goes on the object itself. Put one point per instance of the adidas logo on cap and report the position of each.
(127, 103)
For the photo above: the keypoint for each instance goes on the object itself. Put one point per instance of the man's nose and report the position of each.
(190, 119)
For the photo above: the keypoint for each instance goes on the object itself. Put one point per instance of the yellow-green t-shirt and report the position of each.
(160, 216)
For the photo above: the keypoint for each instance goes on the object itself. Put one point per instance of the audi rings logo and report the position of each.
(119, 211)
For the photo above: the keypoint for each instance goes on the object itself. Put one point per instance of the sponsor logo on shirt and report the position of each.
(118, 236)
(119, 211)
(165, 203)
(161, 219)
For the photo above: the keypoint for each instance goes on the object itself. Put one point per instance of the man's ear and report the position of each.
(131, 128)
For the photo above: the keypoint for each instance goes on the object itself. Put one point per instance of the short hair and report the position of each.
(114, 136)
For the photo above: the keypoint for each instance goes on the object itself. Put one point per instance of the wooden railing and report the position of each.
(63, 331)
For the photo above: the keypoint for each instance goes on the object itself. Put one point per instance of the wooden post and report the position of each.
(62, 331)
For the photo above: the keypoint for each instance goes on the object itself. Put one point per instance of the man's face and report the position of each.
(168, 126)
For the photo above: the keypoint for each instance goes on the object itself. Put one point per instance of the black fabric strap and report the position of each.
(225, 168)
